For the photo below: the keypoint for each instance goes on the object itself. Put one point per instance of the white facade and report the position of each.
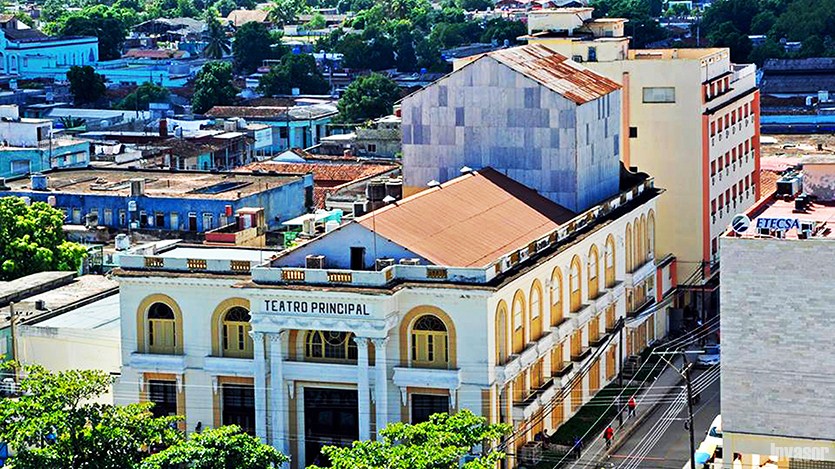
(516, 375)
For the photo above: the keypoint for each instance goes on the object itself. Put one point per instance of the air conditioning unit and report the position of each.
(314, 262)
(381, 264)
(412, 261)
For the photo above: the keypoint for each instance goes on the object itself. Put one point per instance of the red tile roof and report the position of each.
(556, 72)
(241, 17)
(469, 221)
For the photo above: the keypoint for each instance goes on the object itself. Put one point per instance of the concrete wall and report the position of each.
(65, 156)
(336, 248)
(486, 114)
(25, 134)
(819, 180)
(777, 348)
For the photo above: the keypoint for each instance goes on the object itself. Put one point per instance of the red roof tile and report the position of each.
(469, 221)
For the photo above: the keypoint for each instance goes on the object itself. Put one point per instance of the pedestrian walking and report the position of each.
(578, 447)
(631, 404)
(608, 434)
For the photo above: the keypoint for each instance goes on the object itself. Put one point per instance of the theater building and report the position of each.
(478, 293)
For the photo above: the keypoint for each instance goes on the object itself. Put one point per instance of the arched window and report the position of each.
(575, 286)
(501, 333)
(518, 325)
(330, 346)
(642, 241)
(536, 310)
(593, 274)
(162, 337)
(556, 297)
(651, 235)
(609, 261)
(236, 340)
(430, 342)
(630, 266)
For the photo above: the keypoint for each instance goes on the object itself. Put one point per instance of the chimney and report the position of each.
(163, 127)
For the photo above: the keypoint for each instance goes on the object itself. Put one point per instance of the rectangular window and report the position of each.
(633, 132)
(283, 133)
(721, 201)
(713, 128)
(123, 217)
(76, 216)
(207, 221)
(372, 148)
(659, 94)
(159, 221)
(712, 168)
(238, 406)
(164, 396)
(174, 220)
(143, 218)
(20, 167)
(424, 405)
(108, 217)
(713, 206)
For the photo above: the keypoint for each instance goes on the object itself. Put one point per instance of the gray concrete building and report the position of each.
(778, 353)
(528, 112)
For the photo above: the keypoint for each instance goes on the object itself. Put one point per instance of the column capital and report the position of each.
(256, 336)
(379, 342)
(361, 341)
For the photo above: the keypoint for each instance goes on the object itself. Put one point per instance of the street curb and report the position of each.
(627, 431)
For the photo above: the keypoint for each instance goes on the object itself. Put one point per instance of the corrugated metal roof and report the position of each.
(469, 221)
(556, 72)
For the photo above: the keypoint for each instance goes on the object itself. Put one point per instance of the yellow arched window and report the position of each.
(330, 346)
(593, 274)
(630, 265)
(556, 297)
(518, 324)
(642, 241)
(575, 285)
(651, 235)
(236, 340)
(430, 342)
(609, 261)
(536, 310)
(162, 336)
(501, 333)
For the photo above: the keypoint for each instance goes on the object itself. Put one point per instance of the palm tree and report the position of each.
(217, 43)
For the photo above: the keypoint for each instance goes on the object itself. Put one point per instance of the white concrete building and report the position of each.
(505, 310)
(778, 382)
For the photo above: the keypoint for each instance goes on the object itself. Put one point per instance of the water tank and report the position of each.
(122, 242)
(394, 188)
(39, 182)
(375, 191)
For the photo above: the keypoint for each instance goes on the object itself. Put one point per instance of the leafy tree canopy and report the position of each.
(56, 423)
(108, 23)
(32, 240)
(440, 443)
(86, 85)
(294, 71)
(368, 97)
(213, 87)
(145, 93)
(252, 45)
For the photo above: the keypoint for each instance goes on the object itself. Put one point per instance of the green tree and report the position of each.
(109, 24)
(86, 85)
(501, 30)
(145, 93)
(213, 87)
(217, 43)
(768, 50)
(642, 26)
(283, 12)
(474, 5)
(32, 240)
(55, 423)
(368, 97)
(405, 46)
(251, 46)
(316, 22)
(294, 71)
(763, 22)
(186, 9)
(440, 443)
(429, 56)
(225, 447)
(727, 35)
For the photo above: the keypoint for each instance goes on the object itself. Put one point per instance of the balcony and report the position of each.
(599, 341)
(640, 274)
(226, 366)
(158, 363)
(581, 355)
(564, 369)
(426, 378)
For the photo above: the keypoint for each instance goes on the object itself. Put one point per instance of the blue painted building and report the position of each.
(192, 201)
(27, 52)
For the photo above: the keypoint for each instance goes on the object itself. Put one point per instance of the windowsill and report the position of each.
(584, 353)
(599, 341)
(564, 370)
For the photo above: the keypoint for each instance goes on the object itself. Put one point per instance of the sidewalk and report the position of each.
(595, 454)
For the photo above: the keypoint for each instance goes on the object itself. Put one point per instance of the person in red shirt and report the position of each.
(608, 434)
(631, 404)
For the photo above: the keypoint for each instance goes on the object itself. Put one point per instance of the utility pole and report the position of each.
(621, 324)
(687, 368)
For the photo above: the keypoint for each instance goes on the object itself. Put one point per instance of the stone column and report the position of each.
(260, 385)
(278, 407)
(381, 384)
(363, 392)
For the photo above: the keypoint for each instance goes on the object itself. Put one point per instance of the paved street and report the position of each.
(671, 450)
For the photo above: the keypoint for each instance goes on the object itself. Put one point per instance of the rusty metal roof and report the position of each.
(469, 221)
(556, 72)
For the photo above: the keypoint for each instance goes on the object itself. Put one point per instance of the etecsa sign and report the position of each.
(740, 223)
(778, 223)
